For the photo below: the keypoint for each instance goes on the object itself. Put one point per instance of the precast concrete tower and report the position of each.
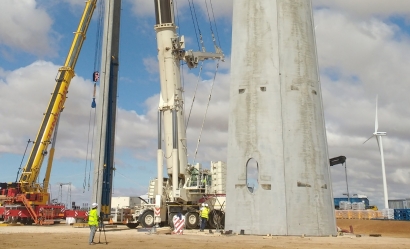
(107, 108)
(276, 126)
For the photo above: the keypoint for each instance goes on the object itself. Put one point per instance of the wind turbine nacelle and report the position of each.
(380, 133)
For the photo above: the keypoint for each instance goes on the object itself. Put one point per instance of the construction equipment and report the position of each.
(27, 200)
(187, 186)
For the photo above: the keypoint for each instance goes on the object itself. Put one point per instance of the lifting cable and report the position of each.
(192, 8)
(91, 151)
(200, 71)
(22, 159)
(98, 42)
(206, 111)
(96, 76)
(216, 27)
(196, 25)
(193, 98)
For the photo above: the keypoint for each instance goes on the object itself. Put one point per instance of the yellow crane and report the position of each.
(27, 190)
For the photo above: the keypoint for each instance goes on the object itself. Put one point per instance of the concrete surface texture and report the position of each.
(276, 126)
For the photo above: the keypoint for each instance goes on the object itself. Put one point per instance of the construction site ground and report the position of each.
(393, 234)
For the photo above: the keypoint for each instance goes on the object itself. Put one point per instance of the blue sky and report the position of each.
(363, 50)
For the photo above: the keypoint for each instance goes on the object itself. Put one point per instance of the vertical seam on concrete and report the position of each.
(281, 114)
(322, 113)
(317, 84)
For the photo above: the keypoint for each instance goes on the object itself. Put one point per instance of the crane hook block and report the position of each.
(96, 76)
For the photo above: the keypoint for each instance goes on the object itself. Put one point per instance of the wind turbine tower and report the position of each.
(379, 135)
(278, 176)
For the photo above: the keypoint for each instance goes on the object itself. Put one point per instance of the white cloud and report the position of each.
(75, 2)
(142, 7)
(24, 26)
(367, 8)
(151, 65)
(25, 93)
(360, 58)
(217, 9)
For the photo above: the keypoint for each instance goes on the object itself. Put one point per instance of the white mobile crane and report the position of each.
(187, 186)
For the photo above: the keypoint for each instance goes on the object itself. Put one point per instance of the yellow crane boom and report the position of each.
(31, 170)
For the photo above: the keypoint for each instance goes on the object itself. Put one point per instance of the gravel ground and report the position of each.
(64, 236)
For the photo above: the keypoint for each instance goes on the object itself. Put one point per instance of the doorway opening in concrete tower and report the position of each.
(252, 173)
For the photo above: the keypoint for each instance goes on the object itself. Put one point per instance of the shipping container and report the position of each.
(125, 202)
(399, 204)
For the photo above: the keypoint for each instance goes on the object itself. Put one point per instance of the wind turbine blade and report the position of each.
(376, 121)
(368, 139)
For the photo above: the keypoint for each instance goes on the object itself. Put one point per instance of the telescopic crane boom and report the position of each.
(171, 50)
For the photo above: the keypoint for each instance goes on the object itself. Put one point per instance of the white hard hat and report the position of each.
(203, 204)
(94, 205)
(206, 204)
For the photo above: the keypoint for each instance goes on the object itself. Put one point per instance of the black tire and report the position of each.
(132, 225)
(147, 219)
(24, 221)
(30, 221)
(171, 219)
(216, 219)
(192, 220)
(14, 219)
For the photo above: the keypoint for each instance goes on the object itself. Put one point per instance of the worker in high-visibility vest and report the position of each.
(204, 213)
(93, 222)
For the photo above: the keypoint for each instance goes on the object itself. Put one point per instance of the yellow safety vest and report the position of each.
(204, 212)
(93, 218)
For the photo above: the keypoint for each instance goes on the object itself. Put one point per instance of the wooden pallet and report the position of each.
(80, 225)
(9, 224)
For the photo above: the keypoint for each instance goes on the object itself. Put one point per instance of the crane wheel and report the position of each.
(147, 219)
(192, 220)
(132, 225)
(216, 219)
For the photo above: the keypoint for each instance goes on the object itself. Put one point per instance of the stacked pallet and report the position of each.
(402, 214)
(358, 214)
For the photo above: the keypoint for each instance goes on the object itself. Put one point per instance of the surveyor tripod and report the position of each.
(101, 227)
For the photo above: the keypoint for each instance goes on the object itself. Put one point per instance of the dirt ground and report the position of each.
(394, 234)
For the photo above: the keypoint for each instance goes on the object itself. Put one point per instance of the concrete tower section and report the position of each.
(276, 125)
(107, 108)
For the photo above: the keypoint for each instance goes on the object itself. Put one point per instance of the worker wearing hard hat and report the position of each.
(92, 222)
(204, 213)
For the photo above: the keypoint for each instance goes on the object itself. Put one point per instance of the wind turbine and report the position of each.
(379, 135)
